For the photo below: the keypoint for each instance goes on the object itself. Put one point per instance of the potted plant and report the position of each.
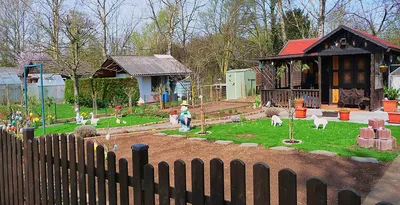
(383, 68)
(305, 68)
(394, 117)
(301, 112)
(298, 102)
(344, 114)
(391, 101)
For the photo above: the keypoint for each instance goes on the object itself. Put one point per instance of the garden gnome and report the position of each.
(173, 117)
(185, 117)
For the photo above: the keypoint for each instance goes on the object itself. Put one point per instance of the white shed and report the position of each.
(53, 86)
(10, 88)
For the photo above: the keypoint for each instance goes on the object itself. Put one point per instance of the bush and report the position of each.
(108, 90)
(270, 111)
(85, 131)
(230, 111)
(65, 121)
(243, 119)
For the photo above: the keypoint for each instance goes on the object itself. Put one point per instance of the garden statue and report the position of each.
(319, 121)
(173, 117)
(185, 117)
(78, 118)
(275, 120)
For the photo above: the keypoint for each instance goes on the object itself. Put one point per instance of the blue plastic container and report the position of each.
(165, 96)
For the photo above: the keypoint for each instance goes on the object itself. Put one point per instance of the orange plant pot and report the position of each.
(301, 112)
(118, 107)
(299, 104)
(390, 105)
(394, 117)
(344, 115)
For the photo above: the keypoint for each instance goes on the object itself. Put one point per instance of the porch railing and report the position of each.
(280, 97)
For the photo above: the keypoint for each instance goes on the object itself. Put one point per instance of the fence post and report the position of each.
(140, 157)
(28, 135)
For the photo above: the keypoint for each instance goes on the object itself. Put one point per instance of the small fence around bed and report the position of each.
(280, 97)
(60, 169)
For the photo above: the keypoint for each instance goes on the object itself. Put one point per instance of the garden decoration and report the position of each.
(173, 117)
(319, 121)
(185, 117)
(376, 136)
(93, 121)
(275, 120)
(79, 118)
(344, 114)
(301, 112)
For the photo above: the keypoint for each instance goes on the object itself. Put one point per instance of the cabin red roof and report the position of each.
(297, 47)
(379, 40)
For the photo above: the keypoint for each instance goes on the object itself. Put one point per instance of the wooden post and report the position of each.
(202, 111)
(320, 80)
(372, 84)
(140, 157)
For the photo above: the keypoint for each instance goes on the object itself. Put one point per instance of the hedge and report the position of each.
(110, 91)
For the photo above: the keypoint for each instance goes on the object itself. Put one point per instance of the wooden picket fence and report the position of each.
(60, 169)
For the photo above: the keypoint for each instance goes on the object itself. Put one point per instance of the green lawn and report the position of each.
(68, 111)
(338, 137)
(70, 127)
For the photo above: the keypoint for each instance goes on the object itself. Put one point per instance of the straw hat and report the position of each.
(184, 103)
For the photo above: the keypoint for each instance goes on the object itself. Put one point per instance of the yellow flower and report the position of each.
(30, 114)
(35, 119)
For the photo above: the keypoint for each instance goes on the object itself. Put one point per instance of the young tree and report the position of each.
(131, 90)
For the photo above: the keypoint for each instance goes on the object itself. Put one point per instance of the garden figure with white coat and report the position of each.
(185, 117)
(275, 120)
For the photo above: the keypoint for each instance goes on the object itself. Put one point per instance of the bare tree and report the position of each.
(282, 21)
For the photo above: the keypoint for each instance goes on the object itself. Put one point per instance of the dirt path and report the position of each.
(338, 172)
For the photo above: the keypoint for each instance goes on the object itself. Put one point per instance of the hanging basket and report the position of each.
(383, 68)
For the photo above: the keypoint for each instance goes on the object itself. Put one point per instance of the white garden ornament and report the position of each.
(275, 120)
(319, 121)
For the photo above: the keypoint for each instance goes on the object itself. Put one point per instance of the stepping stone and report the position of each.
(282, 148)
(223, 142)
(177, 136)
(248, 145)
(365, 159)
(324, 153)
(160, 134)
(197, 139)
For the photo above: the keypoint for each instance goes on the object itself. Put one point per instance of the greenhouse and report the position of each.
(53, 86)
(10, 88)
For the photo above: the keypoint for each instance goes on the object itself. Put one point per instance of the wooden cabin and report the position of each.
(344, 69)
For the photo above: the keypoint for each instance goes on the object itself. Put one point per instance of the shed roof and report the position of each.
(15, 70)
(9, 79)
(147, 65)
(49, 79)
(297, 47)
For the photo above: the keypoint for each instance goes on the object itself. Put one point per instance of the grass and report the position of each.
(339, 137)
(70, 127)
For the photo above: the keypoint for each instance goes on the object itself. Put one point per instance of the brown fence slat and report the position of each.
(30, 181)
(180, 182)
(91, 185)
(36, 170)
(316, 191)
(112, 178)
(20, 173)
(217, 181)
(384, 203)
(50, 162)
(149, 195)
(349, 197)
(43, 170)
(81, 171)
(139, 159)
(14, 168)
(100, 173)
(163, 183)
(197, 182)
(9, 171)
(2, 165)
(5, 172)
(261, 184)
(64, 169)
(57, 171)
(72, 169)
(238, 182)
(123, 181)
(287, 187)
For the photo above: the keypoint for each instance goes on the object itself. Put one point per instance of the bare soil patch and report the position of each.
(245, 136)
(338, 172)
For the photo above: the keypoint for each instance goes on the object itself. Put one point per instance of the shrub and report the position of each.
(222, 111)
(270, 111)
(108, 90)
(230, 111)
(392, 93)
(85, 131)
(65, 121)
(243, 119)
(236, 119)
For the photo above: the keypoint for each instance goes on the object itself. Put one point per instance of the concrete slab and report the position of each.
(282, 148)
(177, 136)
(324, 153)
(365, 159)
(387, 188)
(223, 142)
(248, 145)
(197, 139)
(160, 134)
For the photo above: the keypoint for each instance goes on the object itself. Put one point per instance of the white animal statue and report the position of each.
(78, 118)
(268, 104)
(118, 121)
(93, 121)
(83, 122)
(275, 120)
(319, 121)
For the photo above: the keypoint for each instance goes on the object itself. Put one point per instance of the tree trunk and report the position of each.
(130, 103)
(75, 82)
(282, 21)
(321, 18)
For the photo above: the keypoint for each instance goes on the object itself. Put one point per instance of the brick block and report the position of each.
(385, 144)
(365, 143)
(367, 133)
(376, 123)
(384, 134)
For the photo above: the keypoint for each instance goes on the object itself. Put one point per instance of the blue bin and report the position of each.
(165, 96)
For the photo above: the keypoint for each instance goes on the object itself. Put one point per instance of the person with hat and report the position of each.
(185, 117)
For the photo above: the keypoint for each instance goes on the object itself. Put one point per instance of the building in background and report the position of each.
(240, 83)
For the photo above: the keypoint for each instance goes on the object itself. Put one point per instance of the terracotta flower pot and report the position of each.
(173, 112)
(301, 112)
(299, 104)
(118, 107)
(390, 105)
(394, 117)
(344, 115)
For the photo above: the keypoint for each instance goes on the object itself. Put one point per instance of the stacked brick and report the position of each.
(376, 136)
